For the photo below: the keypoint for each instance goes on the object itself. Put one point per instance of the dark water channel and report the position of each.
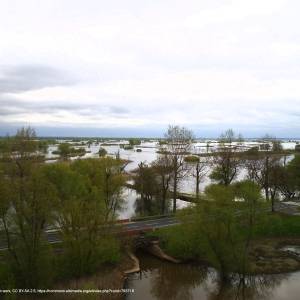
(166, 281)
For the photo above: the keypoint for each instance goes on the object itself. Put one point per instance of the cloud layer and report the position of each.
(136, 66)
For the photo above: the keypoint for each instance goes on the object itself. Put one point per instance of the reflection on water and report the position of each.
(164, 281)
(133, 206)
(145, 207)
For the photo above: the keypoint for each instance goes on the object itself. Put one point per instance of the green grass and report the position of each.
(279, 225)
(183, 242)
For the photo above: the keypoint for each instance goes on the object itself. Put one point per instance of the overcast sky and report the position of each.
(92, 67)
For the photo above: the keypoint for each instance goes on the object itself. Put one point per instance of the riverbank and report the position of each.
(274, 248)
(110, 279)
(268, 256)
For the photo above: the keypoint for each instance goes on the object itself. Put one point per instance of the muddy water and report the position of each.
(167, 281)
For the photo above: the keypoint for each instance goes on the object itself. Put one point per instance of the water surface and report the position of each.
(149, 154)
(165, 281)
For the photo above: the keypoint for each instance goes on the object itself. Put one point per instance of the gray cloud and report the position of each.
(118, 110)
(13, 106)
(21, 78)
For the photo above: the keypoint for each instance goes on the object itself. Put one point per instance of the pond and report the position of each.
(160, 280)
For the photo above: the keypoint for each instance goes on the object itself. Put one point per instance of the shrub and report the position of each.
(102, 152)
(191, 159)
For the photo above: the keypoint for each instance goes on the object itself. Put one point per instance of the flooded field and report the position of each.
(148, 155)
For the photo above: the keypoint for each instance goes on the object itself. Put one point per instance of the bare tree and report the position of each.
(179, 141)
(199, 172)
(198, 169)
(226, 161)
(275, 183)
(270, 143)
(266, 172)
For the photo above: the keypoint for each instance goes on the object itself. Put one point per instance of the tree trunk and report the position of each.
(267, 185)
(267, 193)
(174, 193)
(163, 204)
(197, 185)
(273, 196)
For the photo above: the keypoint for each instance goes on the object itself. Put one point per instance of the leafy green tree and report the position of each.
(26, 199)
(105, 175)
(248, 215)
(81, 217)
(287, 182)
(224, 222)
(294, 170)
(146, 185)
(64, 150)
(215, 221)
(153, 183)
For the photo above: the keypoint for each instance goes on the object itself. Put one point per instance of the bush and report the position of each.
(253, 150)
(102, 152)
(79, 259)
(110, 250)
(133, 142)
(162, 142)
(191, 159)
(128, 147)
(176, 242)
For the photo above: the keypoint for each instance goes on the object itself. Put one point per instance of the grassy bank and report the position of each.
(263, 255)
(106, 272)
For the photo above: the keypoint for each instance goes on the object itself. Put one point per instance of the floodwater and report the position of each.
(148, 155)
(295, 249)
(130, 207)
(160, 280)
